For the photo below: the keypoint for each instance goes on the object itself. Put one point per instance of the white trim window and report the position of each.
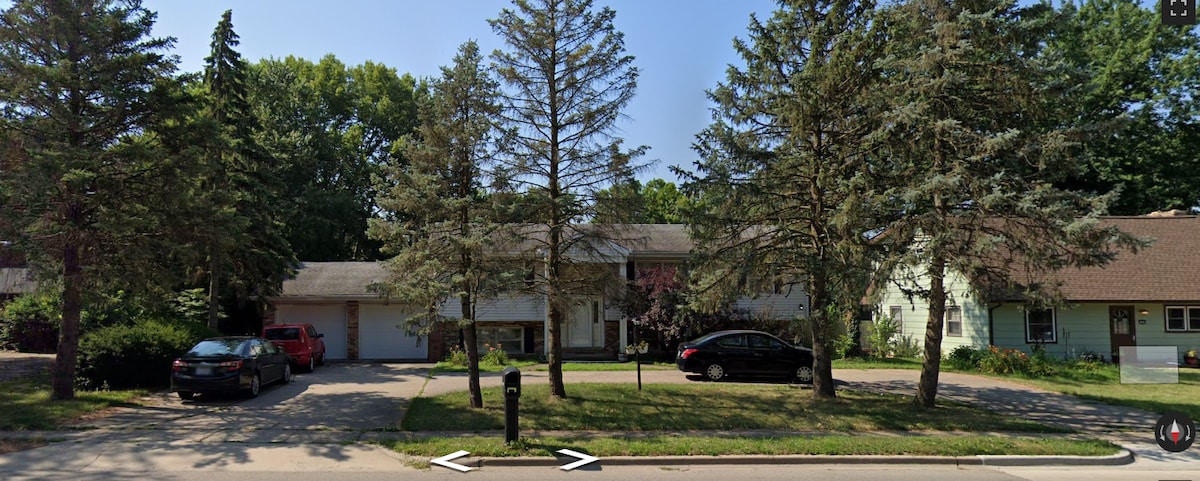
(897, 315)
(511, 339)
(954, 325)
(1182, 318)
(1041, 326)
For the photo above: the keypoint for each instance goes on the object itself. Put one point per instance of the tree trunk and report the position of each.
(555, 318)
(823, 387)
(214, 288)
(63, 382)
(470, 339)
(930, 369)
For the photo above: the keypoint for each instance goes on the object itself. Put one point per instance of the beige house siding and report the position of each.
(915, 313)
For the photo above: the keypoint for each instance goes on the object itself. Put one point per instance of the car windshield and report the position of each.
(217, 347)
(283, 334)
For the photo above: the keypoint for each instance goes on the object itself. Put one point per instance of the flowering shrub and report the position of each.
(456, 357)
(1004, 361)
(494, 355)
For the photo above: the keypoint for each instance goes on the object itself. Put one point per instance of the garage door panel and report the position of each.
(328, 319)
(382, 336)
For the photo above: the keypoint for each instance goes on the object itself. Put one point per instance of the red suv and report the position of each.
(301, 342)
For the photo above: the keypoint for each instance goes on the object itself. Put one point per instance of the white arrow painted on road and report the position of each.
(444, 461)
(583, 459)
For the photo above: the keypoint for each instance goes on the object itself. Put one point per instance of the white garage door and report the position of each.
(329, 319)
(380, 338)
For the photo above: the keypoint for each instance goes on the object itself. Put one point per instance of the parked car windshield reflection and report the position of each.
(217, 347)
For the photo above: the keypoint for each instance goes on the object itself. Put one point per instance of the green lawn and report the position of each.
(838, 444)
(876, 363)
(443, 366)
(708, 406)
(27, 404)
(611, 366)
(1104, 385)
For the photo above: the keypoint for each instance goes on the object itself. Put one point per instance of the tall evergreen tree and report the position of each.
(568, 79)
(246, 248)
(786, 168)
(442, 226)
(86, 197)
(973, 152)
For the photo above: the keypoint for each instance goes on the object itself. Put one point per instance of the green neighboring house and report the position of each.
(1151, 298)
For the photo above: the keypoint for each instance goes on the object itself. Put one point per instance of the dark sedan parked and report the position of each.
(230, 364)
(745, 353)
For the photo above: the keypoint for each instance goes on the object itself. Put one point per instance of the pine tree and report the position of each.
(786, 168)
(246, 248)
(441, 225)
(82, 84)
(973, 158)
(568, 79)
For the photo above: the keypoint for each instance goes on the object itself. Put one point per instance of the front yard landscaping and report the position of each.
(617, 419)
(27, 404)
(1103, 384)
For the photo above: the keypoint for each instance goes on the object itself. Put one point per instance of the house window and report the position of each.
(954, 321)
(1183, 318)
(897, 315)
(1040, 326)
(511, 339)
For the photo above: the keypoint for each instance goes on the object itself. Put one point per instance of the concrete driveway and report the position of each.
(337, 397)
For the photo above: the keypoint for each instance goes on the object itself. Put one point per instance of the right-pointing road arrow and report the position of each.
(583, 459)
(444, 461)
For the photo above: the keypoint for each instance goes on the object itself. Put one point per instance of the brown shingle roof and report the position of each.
(1167, 270)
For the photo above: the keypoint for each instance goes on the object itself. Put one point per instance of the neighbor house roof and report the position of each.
(1168, 270)
(16, 280)
(350, 280)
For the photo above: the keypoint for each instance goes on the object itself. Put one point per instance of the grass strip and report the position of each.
(799, 445)
(703, 406)
(27, 404)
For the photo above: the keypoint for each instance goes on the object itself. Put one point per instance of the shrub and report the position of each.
(964, 357)
(881, 337)
(494, 355)
(1004, 361)
(908, 346)
(135, 355)
(456, 357)
(30, 323)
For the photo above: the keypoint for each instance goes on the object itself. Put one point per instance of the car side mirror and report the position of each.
(320, 335)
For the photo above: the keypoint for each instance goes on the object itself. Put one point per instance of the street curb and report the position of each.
(1121, 458)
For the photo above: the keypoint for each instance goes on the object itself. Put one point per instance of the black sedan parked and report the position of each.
(228, 365)
(745, 353)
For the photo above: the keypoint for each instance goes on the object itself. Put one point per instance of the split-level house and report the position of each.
(360, 324)
(1147, 298)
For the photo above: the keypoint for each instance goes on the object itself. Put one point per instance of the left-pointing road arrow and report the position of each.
(583, 459)
(444, 461)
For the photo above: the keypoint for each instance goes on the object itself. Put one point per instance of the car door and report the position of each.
(771, 356)
(266, 355)
(733, 354)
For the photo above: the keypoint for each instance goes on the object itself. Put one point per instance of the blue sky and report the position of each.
(682, 47)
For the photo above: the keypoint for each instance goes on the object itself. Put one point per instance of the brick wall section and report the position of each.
(437, 343)
(352, 330)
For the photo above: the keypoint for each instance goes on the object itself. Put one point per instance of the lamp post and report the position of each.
(637, 351)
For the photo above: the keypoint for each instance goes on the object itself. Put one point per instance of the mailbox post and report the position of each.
(512, 393)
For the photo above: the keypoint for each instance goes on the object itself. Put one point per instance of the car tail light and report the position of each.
(687, 352)
(179, 365)
(231, 365)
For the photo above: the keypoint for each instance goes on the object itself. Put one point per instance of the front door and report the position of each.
(1120, 327)
(579, 326)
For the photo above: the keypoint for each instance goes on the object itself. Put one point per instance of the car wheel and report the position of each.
(287, 373)
(186, 395)
(312, 364)
(321, 360)
(714, 372)
(255, 384)
(804, 374)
